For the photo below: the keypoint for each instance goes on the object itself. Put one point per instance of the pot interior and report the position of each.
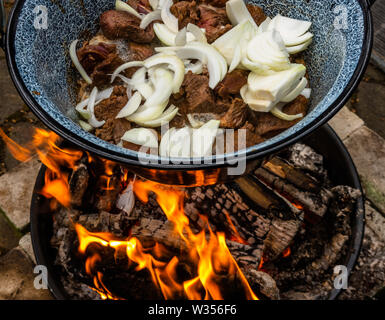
(43, 63)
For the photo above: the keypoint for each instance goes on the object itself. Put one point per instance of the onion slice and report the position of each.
(277, 112)
(142, 137)
(296, 92)
(125, 66)
(168, 18)
(237, 12)
(76, 62)
(122, 6)
(85, 126)
(197, 33)
(91, 108)
(306, 93)
(204, 138)
(131, 106)
(181, 38)
(148, 18)
(194, 123)
(165, 118)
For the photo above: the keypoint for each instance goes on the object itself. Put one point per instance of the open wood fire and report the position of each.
(277, 233)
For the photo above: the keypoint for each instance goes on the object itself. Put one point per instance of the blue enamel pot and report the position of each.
(40, 67)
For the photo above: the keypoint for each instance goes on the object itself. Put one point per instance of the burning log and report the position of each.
(280, 237)
(284, 170)
(316, 204)
(305, 158)
(263, 283)
(79, 184)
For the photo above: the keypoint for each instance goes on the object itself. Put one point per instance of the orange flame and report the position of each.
(207, 251)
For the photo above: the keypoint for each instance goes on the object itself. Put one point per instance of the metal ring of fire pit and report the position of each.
(325, 141)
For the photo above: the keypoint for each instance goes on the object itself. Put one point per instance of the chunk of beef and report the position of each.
(198, 95)
(237, 114)
(216, 3)
(232, 83)
(120, 24)
(108, 109)
(91, 55)
(257, 13)
(140, 52)
(214, 21)
(101, 75)
(113, 130)
(186, 12)
(242, 138)
(268, 125)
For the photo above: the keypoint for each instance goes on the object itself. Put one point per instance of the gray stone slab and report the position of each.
(9, 237)
(368, 152)
(346, 123)
(25, 243)
(10, 101)
(16, 188)
(17, 278)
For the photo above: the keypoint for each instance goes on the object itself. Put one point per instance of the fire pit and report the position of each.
(277, 233)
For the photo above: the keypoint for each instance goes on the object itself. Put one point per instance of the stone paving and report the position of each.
(360, 126)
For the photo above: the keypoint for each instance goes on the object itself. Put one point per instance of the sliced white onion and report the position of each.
(145, 89)
(180, 143)
(194, 122)
(254, 103)
(268, 49)
(240, 35)
(168, 18)
(181, 38)
(237, 58)
(197, 33)
(306, 93)
(142, 137)
(264, 26)
(216, 64)
(77, 64)
(299, 48)
(162, 80)
(237, 12)
(131, 106)
(91, 108)
(277, 85)
(146, 113)
(82, 106)
(196, 68)
(174, 63)
(204, 138)
(290, 29)
(277, 112)
(164, 147)
(122, 6)
(167, 37)
(296, 92)
(148, 18)
(154, 4)
(255, 67)
(85, 126)
(165, 118)
(125, 66)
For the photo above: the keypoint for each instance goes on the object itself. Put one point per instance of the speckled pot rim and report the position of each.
(218, 161)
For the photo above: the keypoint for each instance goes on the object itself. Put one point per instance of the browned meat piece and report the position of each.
(102, 72)
(199, 96)
(236, 116)
(109, 108)
(91, 55)
(268, 125)
(216, 3)
(142, 6)
(140, 52)
(214, 20)
(242, 138)
(232, 83)
(186, 12)
(257, 13)
(121, 24)
(113, 130)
